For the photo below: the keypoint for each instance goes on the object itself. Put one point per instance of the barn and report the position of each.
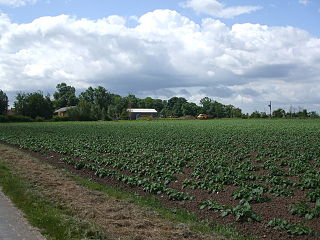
(63, 111)
(135, 113)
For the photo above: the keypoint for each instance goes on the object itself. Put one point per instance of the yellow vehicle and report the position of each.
(204, 116)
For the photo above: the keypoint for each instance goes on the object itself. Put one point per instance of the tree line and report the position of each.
(100, 104)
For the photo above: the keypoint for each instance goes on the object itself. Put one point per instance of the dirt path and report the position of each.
(121, 219)
(13, 226)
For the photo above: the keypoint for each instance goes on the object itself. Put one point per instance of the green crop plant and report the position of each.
(252, 162)
(293, 229)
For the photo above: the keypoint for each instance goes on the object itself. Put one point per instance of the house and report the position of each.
(135, 113)
(11, 111)
(62, 111)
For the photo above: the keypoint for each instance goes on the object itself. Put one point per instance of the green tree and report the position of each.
(279, 113)
(218, 110)
(34, 105)
(303, 113)
(85, 111)
(3, 102)
(255, 114)
(149, 102)
(175, 105)
(132, 100)
(117, 107)
(206, 104)
(264, 115)
(313, 114)
(190, 109)
(99, 96)
(65, 96)
(236, 112)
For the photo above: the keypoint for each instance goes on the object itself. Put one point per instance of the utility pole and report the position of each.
(270, 106)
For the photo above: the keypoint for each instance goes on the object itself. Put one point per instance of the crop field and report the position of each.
(262, 176)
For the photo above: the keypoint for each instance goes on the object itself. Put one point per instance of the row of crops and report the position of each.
(253, 163)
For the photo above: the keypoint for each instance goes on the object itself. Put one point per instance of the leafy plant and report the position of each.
(251, 194)
(313, 195)
(245, 213)
(291, 228)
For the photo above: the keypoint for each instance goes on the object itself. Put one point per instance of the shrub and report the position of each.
(15, 118)
(61, 119)
(39, 119)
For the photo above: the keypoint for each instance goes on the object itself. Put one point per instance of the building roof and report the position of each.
(141, 110)
(64, 109)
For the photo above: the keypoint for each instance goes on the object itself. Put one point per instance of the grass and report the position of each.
(170, 214)
(53, 221)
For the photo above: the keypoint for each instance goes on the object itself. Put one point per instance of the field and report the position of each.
(261, 176)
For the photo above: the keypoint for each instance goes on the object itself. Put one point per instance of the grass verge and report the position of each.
(171, 214)
(53, 221)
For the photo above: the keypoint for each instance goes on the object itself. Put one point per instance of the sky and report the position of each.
(240, 52)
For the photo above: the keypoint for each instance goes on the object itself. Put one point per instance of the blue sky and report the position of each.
(240, 52)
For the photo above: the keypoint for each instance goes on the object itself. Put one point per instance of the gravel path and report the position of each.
(13, 225)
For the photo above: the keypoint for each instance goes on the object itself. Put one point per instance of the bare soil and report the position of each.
(120, 219)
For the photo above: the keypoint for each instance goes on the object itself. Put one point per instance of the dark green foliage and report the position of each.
(219, 110)
(33, 105)
(251, 193)
(242, 212)
(313, 195)
(302, 209)
(85, 111)
(245, 213)
(291, 228)
(98, 96)
(3, 102)
(61, 119)
(65, 96)
(15, 118)
(279, 113)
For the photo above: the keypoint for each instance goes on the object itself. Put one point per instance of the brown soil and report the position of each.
(121, 219)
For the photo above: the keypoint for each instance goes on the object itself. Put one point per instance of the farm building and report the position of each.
(63, 111)
(135, 113)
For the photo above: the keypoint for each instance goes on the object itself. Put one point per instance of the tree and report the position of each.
(264, 115)
(313, 114)
(118, 106)
(65, 96)
(99, 96)
(190, 109)
(236, 112)
(279, 113)
(34, 105)
(149, 102)
(175, 105)
(132, 100)
(3, 102)
(206, 104)
(255, 114)
(85, 111)
(218, 110)
(303, 113)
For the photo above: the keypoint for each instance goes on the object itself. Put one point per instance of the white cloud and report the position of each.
(17, 3)
(304, 2)
(164, 55)
(217, 9)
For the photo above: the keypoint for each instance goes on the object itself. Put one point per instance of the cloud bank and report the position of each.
(17, 3)
(217, 9)
(166, 54)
